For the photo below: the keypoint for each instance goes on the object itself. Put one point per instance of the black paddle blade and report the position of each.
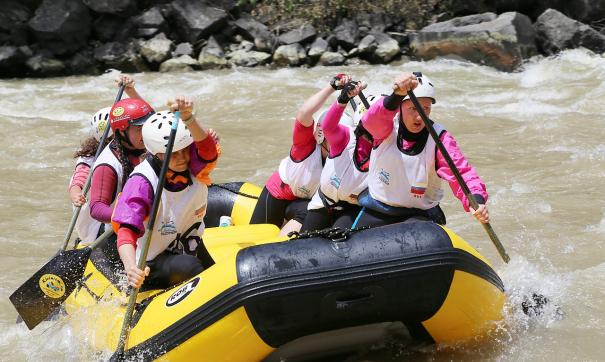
(44, 292)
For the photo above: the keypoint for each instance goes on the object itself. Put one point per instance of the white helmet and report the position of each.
(156, 132)
(425, 88)
(361, 108)
(99, 122)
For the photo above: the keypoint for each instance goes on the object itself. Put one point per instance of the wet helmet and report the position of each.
(361, 108)
(156, 132)
(129, 112)
(99, 122)
(425, 88)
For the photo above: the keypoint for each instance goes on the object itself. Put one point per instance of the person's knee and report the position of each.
(184, 267)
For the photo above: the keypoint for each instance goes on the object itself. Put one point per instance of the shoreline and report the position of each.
(183, 35)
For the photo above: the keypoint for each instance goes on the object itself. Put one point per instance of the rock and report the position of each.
(182, 49)
(245, 46)
(121, 56)
(347, 34)
(105, 27)
(249, 58)
(12, 60)
(318, 47)
(212, 56)
(331, 58)
(13, 23)
(43, 66)
(150, 23)
(83, 63)
(195, 20)
(556, 32)
(502, 42)
(184, 63)
(257, 32)
(367, 45)
(292, 55)
(387, 49)
(157, 49)
(62, 26)
(114, 7)
(302, 34)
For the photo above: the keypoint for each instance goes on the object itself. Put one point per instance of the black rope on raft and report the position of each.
(235, 191)
(335, 234)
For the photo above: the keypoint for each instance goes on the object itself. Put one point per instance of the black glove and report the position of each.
(344, 97)
(336, 82)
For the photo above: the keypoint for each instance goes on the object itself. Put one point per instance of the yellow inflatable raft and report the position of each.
(266, 298)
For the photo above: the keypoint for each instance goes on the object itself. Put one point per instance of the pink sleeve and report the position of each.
(80, 175)
(134, 203)
(469, 175)
(303, 142)
(379, 121)
(102, 191)
(278, 189)
(336, 134)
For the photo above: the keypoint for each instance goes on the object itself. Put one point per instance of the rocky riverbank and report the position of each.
(67, 37)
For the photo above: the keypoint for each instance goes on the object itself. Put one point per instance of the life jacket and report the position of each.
(179, 224)
(302, 176)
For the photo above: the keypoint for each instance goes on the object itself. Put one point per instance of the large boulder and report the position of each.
(317, 48)
(121, 56)
(302, 34)
(114, 7)
(212, 56)
(184, 63)
(83, 62)
(157, 49)
(292, 55)
(249, 58)
(61, 26)
(499, 41)
(13, 22)
(332, 59)
(195, 20)
(255, 31)
(347, 34)
(12, 61)
(105, 27)
(42, 66)
(556, 32)
(150, 23)
(387, 48)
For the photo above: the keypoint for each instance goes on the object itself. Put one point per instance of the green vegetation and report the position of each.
(325, 14)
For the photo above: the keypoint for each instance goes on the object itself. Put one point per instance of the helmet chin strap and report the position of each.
(126, 137)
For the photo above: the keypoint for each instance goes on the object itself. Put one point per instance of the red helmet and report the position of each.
(129, 112)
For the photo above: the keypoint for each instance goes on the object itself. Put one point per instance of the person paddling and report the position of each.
(344, 174)
(176, 252)
(114, 164)
(406, 169)
(288, 190)
(85, 156)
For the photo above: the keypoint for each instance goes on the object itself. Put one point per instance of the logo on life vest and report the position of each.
(118, 111)
(417, 191)
(182, 292)
(52, 285)
(384, 176)
(201, 212)
(304, 190)
(335, 181)
(167, 228)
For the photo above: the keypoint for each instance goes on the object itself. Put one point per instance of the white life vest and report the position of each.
(179, 224)
(87, 227)
(340, 179)
(401, 180)
(302, 176)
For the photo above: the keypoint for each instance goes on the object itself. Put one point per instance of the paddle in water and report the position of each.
(147, 240)
(532, 305)
(46, 290)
